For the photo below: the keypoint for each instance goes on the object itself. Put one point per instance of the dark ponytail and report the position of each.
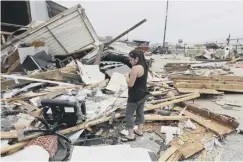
(141, 59)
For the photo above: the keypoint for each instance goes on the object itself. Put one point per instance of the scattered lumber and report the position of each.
(189, 97)
(164, 118)
(216, 86)
(164, 156)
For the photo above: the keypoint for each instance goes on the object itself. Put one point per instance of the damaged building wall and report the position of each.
(27, 14)
(65, 33)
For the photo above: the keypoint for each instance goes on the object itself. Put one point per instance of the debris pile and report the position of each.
(63, 90)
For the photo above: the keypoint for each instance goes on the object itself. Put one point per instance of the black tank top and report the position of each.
(139, 89)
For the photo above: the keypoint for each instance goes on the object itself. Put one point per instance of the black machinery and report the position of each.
(58, 112)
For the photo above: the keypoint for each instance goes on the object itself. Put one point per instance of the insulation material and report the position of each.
(212, 143)
(49, 143)
(189, 124)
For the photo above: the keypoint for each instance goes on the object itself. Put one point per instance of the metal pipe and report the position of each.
(167, 4)
(124, 33)
(13, 25)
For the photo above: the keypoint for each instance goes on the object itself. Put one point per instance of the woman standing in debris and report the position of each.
(137, 93)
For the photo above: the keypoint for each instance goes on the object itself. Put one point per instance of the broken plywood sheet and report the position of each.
(223, 119)
(190, 149)
(118, 83)
(165, 155)
(175, 156)
(201, 91)
(90, 74)
(216, 127)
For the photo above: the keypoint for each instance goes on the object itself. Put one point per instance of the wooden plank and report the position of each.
(201, 91)
(170, 98)
(218, 86)
(191, 149)
(164, 118)
(164, 156)
(225, 120)
(28, 106)
(14, 148)
(13, 66)
(204, 156)
(9, 135)
(207, 81)
(175, 156)
(213, 125)
(215, 78)
(158, 93)
(35, 113)
(34, 79)
(55, 74)
(63, 87)
(6, 33)
(24, 97)
(189, 97)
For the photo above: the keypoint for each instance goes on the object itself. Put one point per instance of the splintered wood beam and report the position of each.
(14, 77)
(55, 74)
(24, 97)
(13, 66)
(9, 135)
(189, 97)
(211, 78)
(191, 149)
(207, 81)
(225, 120)
(164, 118)
(13, 148)
(175, 156)
(217, 86)
(170, 98)
(201, 91)
(165, 155)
